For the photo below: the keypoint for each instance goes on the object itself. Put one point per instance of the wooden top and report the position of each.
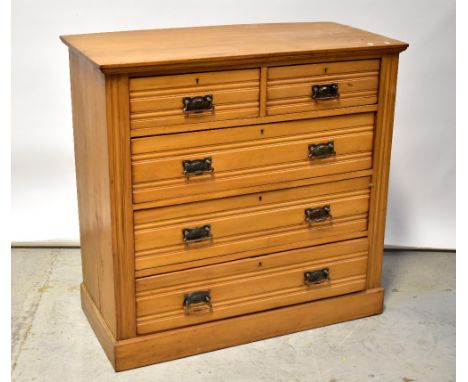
(118, 50)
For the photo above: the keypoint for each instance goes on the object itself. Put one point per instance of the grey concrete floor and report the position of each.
(413, 340)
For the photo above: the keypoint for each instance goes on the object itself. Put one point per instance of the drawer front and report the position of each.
(205, 97)
(249, 156)
(206, 230)
(300, 88)
(214, 292)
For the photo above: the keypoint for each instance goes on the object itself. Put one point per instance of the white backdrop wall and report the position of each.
(422, 184)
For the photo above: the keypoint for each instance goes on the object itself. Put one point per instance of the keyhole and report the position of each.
(197, 80)
(261, 131)
(326, 70)
(260, 198)
(260, 264)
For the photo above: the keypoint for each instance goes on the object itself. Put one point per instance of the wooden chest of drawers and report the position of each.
(232, 182)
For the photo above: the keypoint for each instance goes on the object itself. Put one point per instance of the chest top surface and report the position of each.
(154, 47)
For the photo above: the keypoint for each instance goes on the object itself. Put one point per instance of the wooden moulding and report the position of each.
(121, 203)
(212, 45)
(173, 344)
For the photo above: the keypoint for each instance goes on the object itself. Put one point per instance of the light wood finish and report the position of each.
(204, 185)
(159, 145)
(188, 46)
(270, 153)
(92, 164)
(121, 203)
(256, 264)
(220, 334)
(157, 101)
(146, 218)
(289, 88)
(103, 166)
(344, 231)
(171, 129)
(263, 90)
(254, 189)
(131, 136)
(258, 156)
(250, 285)
(229, 299)
(247, 223)
(172, 344)
(383, 142)
(99, 325)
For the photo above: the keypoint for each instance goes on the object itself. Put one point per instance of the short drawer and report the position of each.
(194, 98)
(245, 224)
(215, 292)
(300, 88)
(234, 158)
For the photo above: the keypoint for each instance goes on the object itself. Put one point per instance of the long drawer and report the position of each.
(194, 98)
(236, 158)
(250, 285)
(256, 222)
(300, 88)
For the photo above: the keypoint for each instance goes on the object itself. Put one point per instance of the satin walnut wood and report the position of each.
(231, 189)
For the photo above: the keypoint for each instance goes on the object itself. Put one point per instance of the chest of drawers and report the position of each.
(232, 182)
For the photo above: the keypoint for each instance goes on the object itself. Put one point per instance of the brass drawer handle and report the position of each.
(322, 150)
(198, 104)
(327, 91)
(196, 234)
(197, 166)
(318, 214)
(316, 277)
(198, 301)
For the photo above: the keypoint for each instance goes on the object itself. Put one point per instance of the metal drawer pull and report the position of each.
(318, 214)
(198, 104)
(328, 91)
(193, 235)
(197, 302)
(322, 150)
(197, 166)
(316, 277)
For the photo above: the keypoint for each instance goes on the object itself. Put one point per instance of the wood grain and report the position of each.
(98, 324)
(166, 235)
(244, 179)
(265, 154)
(255, 189)
(289, 88)
(159, 145)
(343, 230)
(121, 203)
(146, 218)
(134, 49)
(263, 90)
(320, 113)
(131, 137)
(230, 160)
(263, 301)
(157, 101)
(92, 163)
(249, 245)
(262, 283)
(251, 265)
(381, 165)
(172, 344)
(327, 70)
(242, 225)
